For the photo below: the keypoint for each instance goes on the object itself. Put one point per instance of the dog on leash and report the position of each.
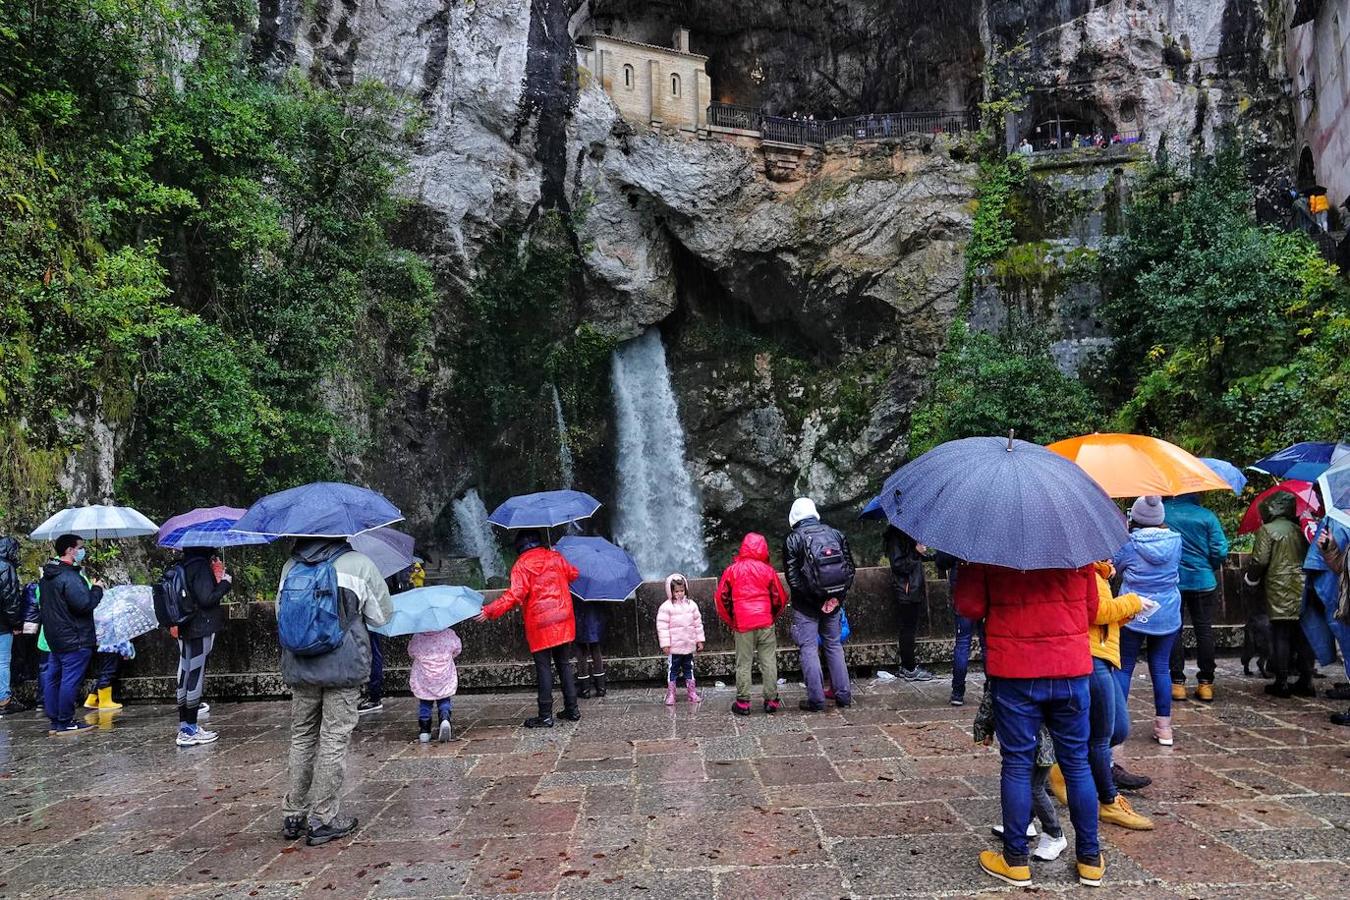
(1256, 644)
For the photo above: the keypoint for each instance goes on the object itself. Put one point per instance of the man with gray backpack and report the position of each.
(819, 570)
(328, 595)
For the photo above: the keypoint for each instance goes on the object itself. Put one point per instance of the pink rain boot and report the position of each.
(670, 694)
(689, 692)
(1162, 730)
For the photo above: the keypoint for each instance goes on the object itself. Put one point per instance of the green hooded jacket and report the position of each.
(1277, 557)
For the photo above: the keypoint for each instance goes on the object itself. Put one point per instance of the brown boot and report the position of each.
(1121, 813)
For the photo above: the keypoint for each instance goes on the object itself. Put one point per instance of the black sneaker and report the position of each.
(1342, 718)
(335, 829)
(1303, 689)
(539, 722)
(1128, 782)
(808, 706)
(12, 705)
(571, 715)
(368, 705)
(294, 827)
(843, 702)
(1339, 691)
(1278, 689)
(957, 699)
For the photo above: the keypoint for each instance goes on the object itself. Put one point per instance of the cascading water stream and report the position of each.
(565, 473)
(658, 517)
(475, 534)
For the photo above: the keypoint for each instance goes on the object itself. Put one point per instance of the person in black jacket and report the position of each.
(208, 582)
(911, 597)
(68, 601)
(815, 553)
(11, 619)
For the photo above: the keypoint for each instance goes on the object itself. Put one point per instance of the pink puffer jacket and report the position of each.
(433, 675)
(679, 624)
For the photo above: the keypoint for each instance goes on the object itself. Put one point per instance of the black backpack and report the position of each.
(174, 603)
(11, 596)
(826, 567)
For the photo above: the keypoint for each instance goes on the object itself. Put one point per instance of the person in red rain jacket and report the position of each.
(539, 584)
(1038, 659)
(749, 598)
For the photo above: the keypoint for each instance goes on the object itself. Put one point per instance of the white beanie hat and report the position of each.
(802, 508)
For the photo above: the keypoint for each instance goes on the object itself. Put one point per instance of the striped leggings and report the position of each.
(192, 654)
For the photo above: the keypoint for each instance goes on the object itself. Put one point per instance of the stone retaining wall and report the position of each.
(245, 663)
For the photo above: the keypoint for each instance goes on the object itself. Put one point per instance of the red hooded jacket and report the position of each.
(750, 594)
(539, 581)
(1035, 623)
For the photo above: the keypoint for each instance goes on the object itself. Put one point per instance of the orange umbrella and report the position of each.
(1130, 465)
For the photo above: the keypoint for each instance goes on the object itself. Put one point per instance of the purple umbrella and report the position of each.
(391, 551)
(208, 527)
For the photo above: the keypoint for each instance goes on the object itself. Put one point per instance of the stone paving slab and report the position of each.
(887, 799)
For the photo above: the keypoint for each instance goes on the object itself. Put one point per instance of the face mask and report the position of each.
(79, 556)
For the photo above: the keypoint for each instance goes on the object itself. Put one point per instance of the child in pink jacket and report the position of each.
(433, 679)
(679, 628)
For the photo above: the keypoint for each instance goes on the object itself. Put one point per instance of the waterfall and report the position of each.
(564, 448)
(658, 519)
(475, 534)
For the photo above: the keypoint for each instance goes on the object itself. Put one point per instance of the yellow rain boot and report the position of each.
(105, 700)
(1057, 786)
(91, 702)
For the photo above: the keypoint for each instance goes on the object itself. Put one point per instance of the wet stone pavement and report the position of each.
(889, 798)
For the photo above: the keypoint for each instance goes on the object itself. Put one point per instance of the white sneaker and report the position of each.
(192, 735)
(203, 709)
(1049, 848)
(998, 830)
(444, 733)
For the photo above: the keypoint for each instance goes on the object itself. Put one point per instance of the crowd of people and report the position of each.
(1060, 647)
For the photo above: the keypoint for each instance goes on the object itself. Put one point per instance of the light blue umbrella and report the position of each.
(608, 573)
(431, 608)
(545, 509)
(391, 551)
(325, 509)
(1335, 485)
(1228, 472)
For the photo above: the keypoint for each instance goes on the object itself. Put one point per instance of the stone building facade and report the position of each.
(652, 86)
(1318, 57)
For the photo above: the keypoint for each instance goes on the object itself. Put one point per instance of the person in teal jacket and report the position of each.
(1204, 547)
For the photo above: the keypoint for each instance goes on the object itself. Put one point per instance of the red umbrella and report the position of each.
(1306, 503)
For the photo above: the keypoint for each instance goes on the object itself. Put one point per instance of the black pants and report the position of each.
(589, 652)
(544, 660)
(1290, 648)
(1200, 605)
(909, 626)
(375, 687)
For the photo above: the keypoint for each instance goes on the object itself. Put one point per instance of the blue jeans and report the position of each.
(65, 671)
(6, 657)
(424, 708)
(966, 631)
(815, 636)
(680, 665)
(1021, 705)
(375, 688)
(1109, 726)
(1159, 665)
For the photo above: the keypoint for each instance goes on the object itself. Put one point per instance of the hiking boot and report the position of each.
(957, 699)
(1092, 873)
(770, 706)
(808, 706)
(1204, 692)
(72, 728)
(1049, 848)
(742, 707)
(1178, 691)
(1162, 730)
(1127, 781)
(294, 827)
(192, 735)
(1279, 689)
(1119, 812)
(366, 705)
(424, 731)
(571, 715)
(539, 722)
(1303, 688)
(993, 863)
(670, 694)
(335, 829)
(1058, 789)
(445, 732)
(1340, 718)
(918, 673)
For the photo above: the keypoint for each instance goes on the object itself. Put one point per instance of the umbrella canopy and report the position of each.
(546, 509)
(208, 527)
(1228, 472)
(1304, 461)
(873, 510)
(1130, 465)
(431, 609)
(390, 550)
(1305, 503)
(607, 571)
(1335, 485)
(95, 523)
(126, 611)
(324, 509)
(1006, 503)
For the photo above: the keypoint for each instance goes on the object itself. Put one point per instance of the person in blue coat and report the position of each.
(1320, 598)
(1150, 566)
(1204, 547)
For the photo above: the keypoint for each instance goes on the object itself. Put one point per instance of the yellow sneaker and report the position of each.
(1057, 786)
(1121, 813)
(1178, 691)
(993, 863)
(1204, 692)
(1091, 875)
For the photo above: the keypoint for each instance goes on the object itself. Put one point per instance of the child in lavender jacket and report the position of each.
(434, 679)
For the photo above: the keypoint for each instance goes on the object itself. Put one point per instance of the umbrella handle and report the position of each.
(1011, 432)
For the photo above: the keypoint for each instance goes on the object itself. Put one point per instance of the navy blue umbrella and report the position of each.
(873, 511)
(546, 509)
(607, 571)
(324, 509)
(1004, 502)
(1304, 461)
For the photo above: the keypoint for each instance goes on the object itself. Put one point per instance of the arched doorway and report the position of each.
(1307, 170)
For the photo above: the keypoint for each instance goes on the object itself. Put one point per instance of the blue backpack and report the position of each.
(309, 610)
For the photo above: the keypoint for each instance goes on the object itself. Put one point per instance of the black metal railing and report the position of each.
(818, 132)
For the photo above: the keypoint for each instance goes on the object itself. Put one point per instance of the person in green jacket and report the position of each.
(1277, 563)
(1204, 547)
